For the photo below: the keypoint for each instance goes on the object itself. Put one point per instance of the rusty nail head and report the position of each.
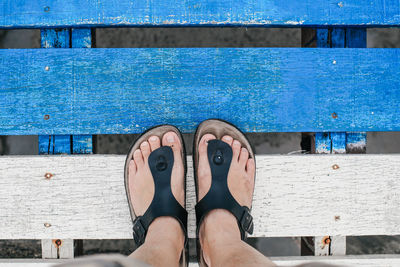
(46, 9)
(337, 218)
(334, 115)
(57, 242)
(335, 166)
(46, 117)
(48, 175)
(47, 68)
(47, 225)
(326, 240)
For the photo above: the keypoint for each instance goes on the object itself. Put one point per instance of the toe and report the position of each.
(138, 157)
(203, 170)
(227, 139)
(236, 147)
(132, 167)
(244, 156)
(250, 167)
(145, 148)
(154, 142)
(171, 139)
(203, 143)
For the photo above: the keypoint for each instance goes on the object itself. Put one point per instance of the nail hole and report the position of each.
(48, 175)
(46, 117)
(335, 166)
(334, 62)
(334, 115)
(340, 4)
(337, 218)
(46, 9)
(47, 225)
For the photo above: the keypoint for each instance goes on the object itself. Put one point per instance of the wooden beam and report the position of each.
(167, 13)
(104, 91)
(83, 197)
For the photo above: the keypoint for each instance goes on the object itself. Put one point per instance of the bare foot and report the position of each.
(141, 184)
(220, 225)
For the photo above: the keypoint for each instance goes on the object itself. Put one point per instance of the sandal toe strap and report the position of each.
(219, 196)
(164, 203)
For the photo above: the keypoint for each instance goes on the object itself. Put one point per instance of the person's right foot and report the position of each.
(220, 225)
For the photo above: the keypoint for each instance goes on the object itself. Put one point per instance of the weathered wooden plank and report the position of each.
(290, 196)
(388, 260)
(57, 248)
(102, 91)
(58, 13)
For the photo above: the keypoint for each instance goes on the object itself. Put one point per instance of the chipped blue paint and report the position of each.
(104, 91)
(323, 143)
(95, 13)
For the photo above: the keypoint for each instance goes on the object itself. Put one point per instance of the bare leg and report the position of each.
(163, 245)
(219, 232)
(164, 241)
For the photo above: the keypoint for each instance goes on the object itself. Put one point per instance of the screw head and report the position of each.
(46, 9)
(334, 62)
(48, 175)
(334, 115)
(47, 68)
(47, 225)
(46, 117)
(335, 166)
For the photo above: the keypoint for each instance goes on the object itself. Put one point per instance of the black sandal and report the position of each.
(164, 203)
(219, 158)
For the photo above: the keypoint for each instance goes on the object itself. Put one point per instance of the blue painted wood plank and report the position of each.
(104, 91)
(54, 38)
(73, 13)
(54, 144)
(338, 142)
(356, 143)
(82, 38)
(323, 143)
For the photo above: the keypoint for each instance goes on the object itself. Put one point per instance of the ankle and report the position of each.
(218, 229)
(166, 232)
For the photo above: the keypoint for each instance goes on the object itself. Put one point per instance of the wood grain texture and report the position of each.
(58, 13)
(85, 197)
(104, 91)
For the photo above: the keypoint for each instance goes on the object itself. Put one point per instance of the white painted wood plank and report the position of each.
(359, 260)
(57, 248)
(85, 197)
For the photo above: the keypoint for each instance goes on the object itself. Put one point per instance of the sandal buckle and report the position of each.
(139, 232)
(246, 222)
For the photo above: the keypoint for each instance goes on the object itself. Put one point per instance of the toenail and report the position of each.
(170, 138)
(228, 138)
(236, 142)
(153, 138)
(145, 144)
